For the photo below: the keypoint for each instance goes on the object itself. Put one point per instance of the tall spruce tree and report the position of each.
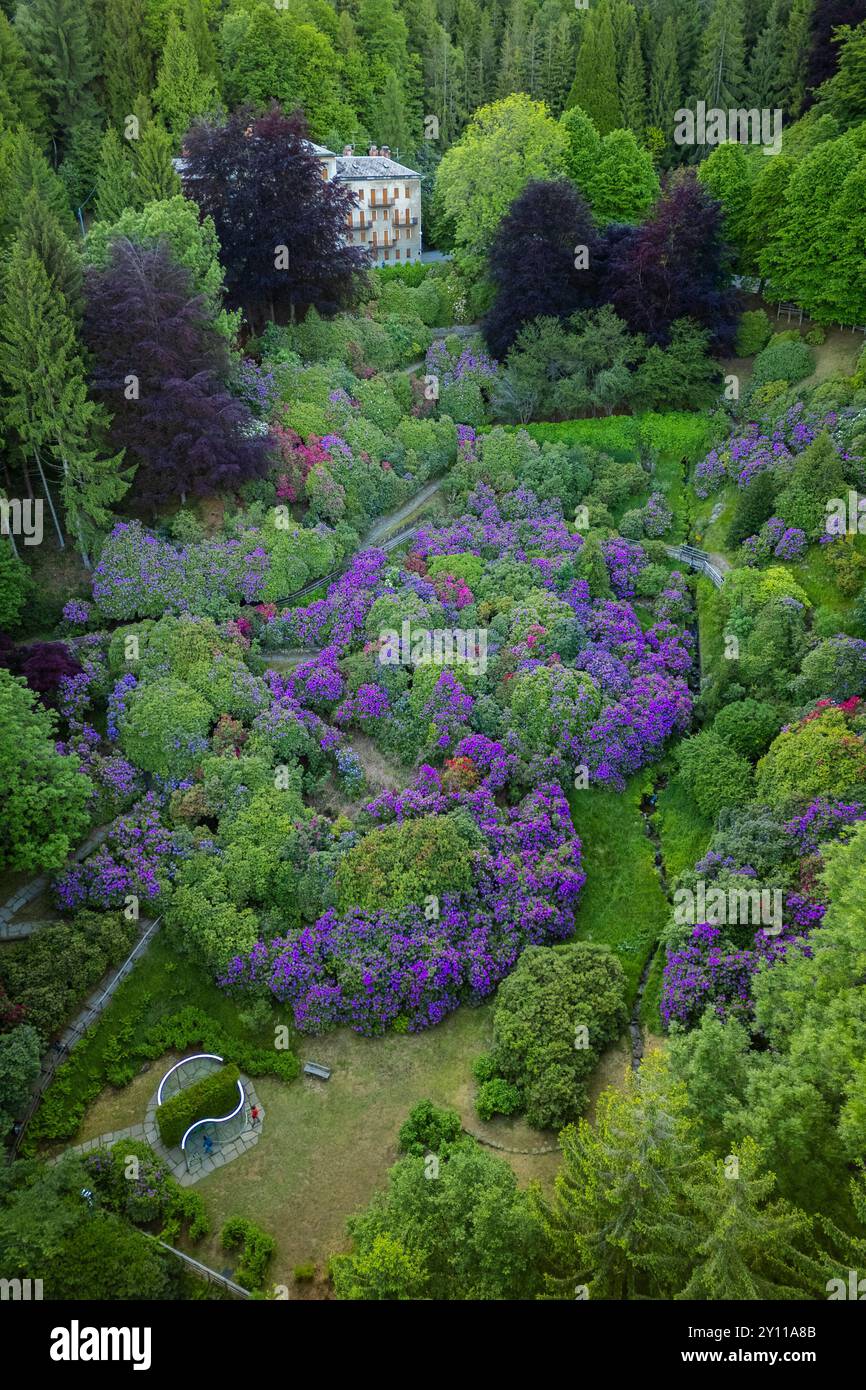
(41, 233)
(57, 38)
(750, 1245)
(720, 73)
(632, 93)
(127, 62)
(595, 87)
(620, 1221)
(26, 167)
(665, 86)
(46, 397)
(766, 87)
(20, 99)
(115, 179)
(794, 67)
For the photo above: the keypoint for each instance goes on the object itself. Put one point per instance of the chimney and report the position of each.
(385, 152)
(373, 150)
(348, 150)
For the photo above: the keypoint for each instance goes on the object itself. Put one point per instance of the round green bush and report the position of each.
(753, 333)
(496, 1097)
(783, 361)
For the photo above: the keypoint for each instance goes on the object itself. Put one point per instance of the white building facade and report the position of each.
(387, 218)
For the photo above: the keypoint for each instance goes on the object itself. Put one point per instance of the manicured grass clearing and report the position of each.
(622, 905)
(325, 1147)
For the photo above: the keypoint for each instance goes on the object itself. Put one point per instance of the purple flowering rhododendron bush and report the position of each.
(378, 969)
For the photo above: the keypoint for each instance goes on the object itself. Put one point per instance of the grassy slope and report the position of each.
(622, 905)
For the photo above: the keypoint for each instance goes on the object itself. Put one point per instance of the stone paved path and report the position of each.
(174, 1159)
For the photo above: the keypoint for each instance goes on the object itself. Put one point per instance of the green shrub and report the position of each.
(15, 585)
(753, 333)
(714, 774)
(211, 1098)
(52, 971)
(537, 1048)
(747, 726)
(257, 1250)
(304, 1274)
(783, 361)
(484, 1068)
(497, 1097)
(405, 862)
(816, 337)
(429, 1129)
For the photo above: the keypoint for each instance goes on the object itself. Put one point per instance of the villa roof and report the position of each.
(372, 166)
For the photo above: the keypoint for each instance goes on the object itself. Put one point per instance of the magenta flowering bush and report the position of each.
(375, 970)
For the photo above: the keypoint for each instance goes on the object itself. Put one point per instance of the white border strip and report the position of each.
(216, 1119)
(182, 1063)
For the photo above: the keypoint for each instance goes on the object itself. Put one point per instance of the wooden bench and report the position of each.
(316, 1069)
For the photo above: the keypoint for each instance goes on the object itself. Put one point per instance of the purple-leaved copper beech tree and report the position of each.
(281, 225)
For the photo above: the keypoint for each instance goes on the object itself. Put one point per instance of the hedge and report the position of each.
(213, 1098)
(79, 1081)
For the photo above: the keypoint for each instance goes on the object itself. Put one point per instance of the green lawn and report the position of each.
(684, 833)
(622, 905)
(161, 984)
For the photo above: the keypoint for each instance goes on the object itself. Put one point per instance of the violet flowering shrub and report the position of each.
(376, 970)
(139, 857)
(624, 560)
(451, 367)
(775, 540)
(713, 966)
(141, 576)
(761, 446)
(704, 974)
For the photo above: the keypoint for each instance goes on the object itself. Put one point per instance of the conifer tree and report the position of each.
(766, 85)
(183, 91)
(795, 56)
(19, 95)
(750, 1246)
(127, 62)
(665, 80)
(195, 26)
(720, 73)
(41, 233)
(594, 87)
(156, 178)
(633, 90)
(619, 1221)
(114, 183)
(57, 38)
(46, 397)
(26, 167)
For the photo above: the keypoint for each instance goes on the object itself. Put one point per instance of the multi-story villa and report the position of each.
(387, 219)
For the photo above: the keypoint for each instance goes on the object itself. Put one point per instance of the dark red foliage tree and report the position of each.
(42, 664)
(281, 225)
(676, 265)
(544, 261)
(10, 1014)
(160, 367)
(824, 54)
